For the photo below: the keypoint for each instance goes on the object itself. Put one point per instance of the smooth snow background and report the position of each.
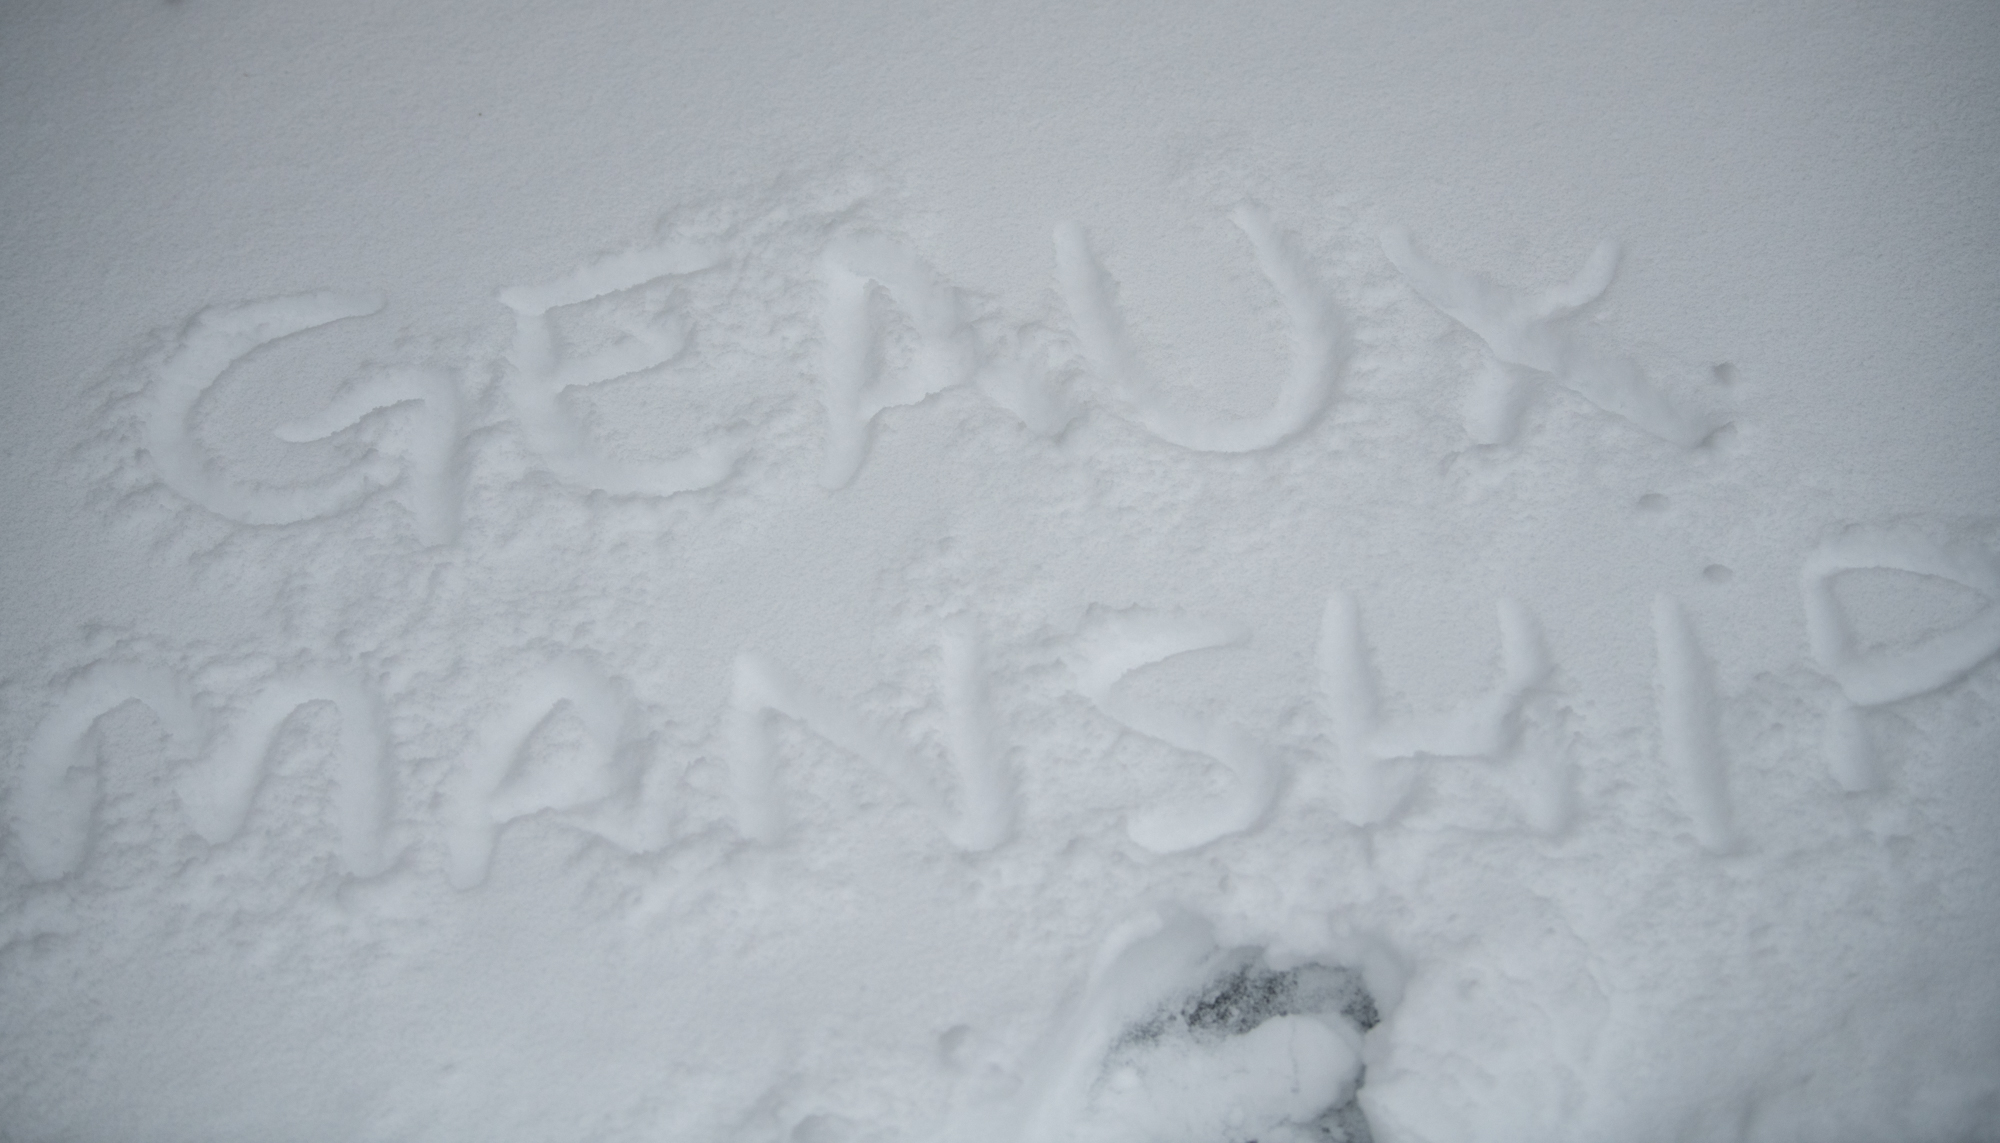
(1803, 192)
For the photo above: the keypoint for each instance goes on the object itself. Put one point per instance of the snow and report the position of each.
(1690, 729)
(1319, 338)
(994, 573)
(1542, 335)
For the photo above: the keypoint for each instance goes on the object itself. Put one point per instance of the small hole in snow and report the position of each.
(1243, 996)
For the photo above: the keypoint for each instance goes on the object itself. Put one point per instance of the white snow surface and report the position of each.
(1000, 572)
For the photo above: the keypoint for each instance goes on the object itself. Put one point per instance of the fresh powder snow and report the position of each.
(1000, 573)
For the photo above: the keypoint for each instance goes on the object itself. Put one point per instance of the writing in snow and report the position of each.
(1376, 760)
(1528, 336)
(413, 455)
